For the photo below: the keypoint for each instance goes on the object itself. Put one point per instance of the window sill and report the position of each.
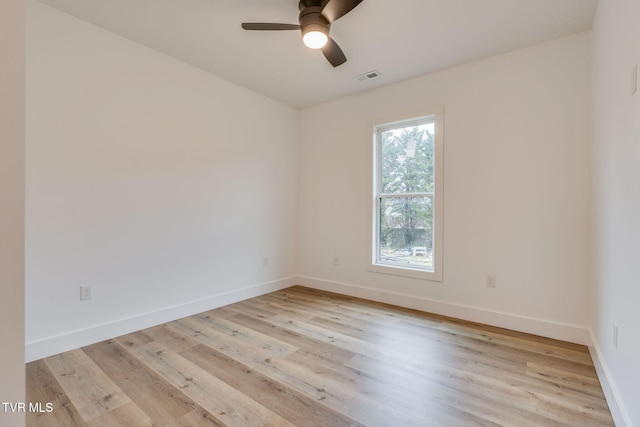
(413, 273)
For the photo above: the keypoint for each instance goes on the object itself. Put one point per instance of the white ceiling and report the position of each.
(400, 38)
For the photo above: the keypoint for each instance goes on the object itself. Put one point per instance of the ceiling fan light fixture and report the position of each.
(314, 22)
(315, 36)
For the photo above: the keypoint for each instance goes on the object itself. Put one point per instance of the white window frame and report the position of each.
(437, 115)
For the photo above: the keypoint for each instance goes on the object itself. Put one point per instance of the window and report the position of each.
(407, 208)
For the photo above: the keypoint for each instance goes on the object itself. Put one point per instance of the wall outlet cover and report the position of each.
(86, 293)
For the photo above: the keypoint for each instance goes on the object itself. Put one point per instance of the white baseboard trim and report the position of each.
(39, 349)
(618, 411)
(556, 330)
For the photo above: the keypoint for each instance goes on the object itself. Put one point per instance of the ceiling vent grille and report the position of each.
(368, 75)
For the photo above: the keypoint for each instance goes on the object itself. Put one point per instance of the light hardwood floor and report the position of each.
(301, 357)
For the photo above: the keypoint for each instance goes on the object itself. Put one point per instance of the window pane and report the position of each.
(407, 155)
(406, 231)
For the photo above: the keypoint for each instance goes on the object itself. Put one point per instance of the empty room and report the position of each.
(319, 213)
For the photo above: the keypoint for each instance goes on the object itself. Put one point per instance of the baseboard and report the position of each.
(556, 330)
(35, 350)
(618, 411)
(49, 346)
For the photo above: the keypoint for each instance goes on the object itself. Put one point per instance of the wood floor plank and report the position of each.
(42, 388)
(196, 418)
(311, 358)
(245, 336)
(127, 415)
(313, 348)
(483, 396)
(580, 356)
(247, 307)
(176, 342)
(357, 327)
(373, 310)
(92, 392)
(225, 403)
(160, 400)
(563, 379)
(356, 307)
(303, 379)
(274, 306)
(282, 399)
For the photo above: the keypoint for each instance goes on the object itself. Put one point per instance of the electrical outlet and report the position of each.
(336, 261)
(265, 262)
(86, 293)
(491, 281)
(615, 335)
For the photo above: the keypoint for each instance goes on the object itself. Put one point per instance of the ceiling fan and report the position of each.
(315, 19)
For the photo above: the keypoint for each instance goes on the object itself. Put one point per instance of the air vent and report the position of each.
(368, 76)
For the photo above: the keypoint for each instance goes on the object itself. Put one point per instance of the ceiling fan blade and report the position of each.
(265, 26)
(333, 53)
(336, 9)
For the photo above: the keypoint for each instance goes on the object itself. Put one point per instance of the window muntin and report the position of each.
(407, 191)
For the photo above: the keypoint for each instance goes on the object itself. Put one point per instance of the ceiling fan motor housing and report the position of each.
(303, 4)
(311, 19)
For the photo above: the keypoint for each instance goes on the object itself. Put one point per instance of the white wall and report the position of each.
(160, 185)
(12, 53)
(616, 213)
(516, 190)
